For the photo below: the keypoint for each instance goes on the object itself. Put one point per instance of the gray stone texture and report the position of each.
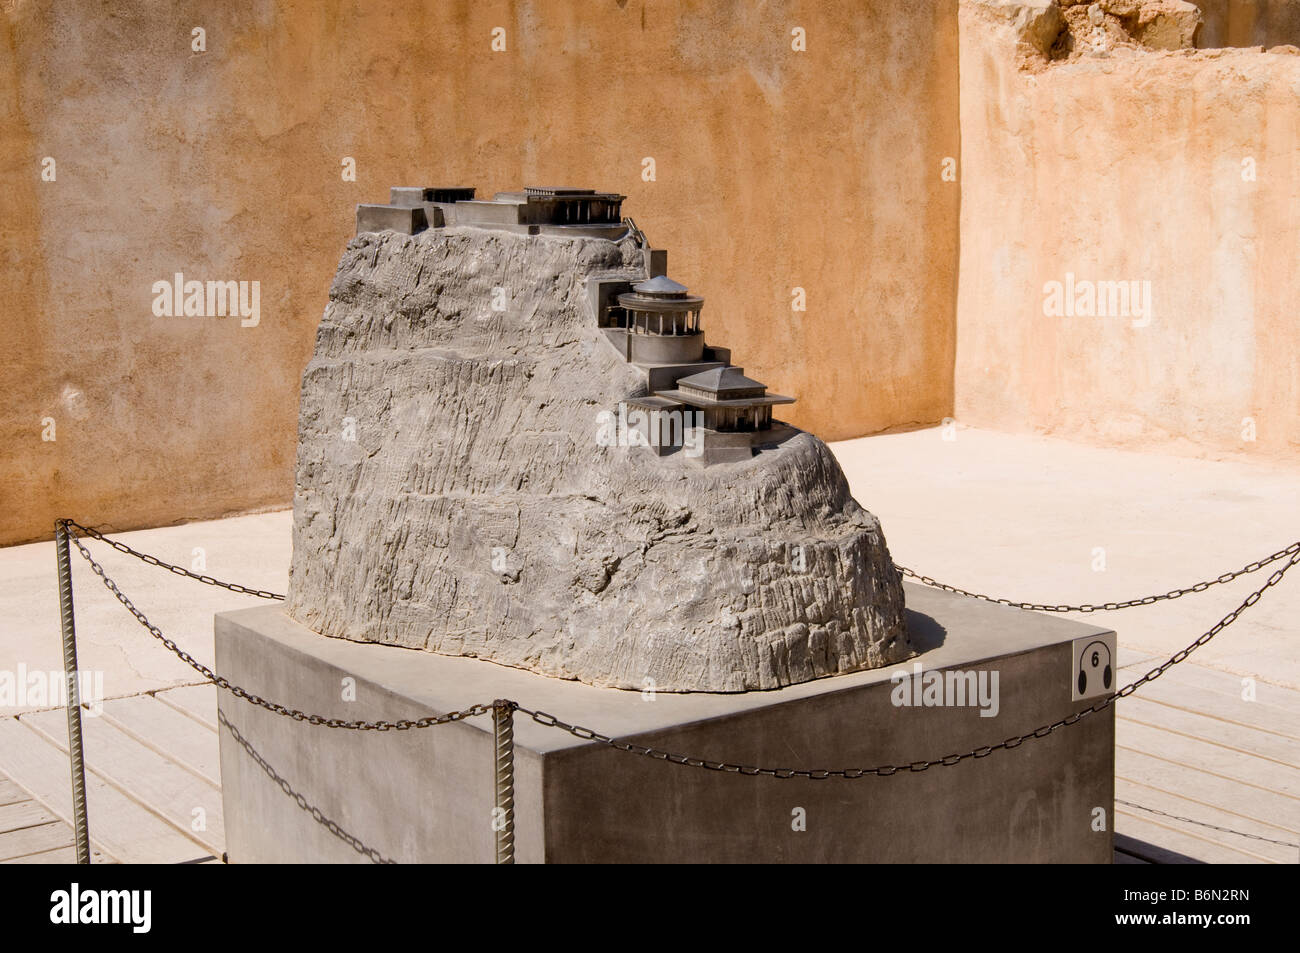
(476, 512)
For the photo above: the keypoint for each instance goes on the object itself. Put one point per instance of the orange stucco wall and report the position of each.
(1176, 170)
(775, 169)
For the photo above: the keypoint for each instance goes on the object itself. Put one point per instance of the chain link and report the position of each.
(255, 699)
(588, 734)
(155, 561)
(1227, 577)
(1291, 550)
(502, 708)
(885, 770)
(316, 813)
(1213, 827)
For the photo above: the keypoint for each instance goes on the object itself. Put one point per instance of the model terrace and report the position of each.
(534, 211)
(653, 321)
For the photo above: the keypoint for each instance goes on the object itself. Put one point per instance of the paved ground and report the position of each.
(1021, 517)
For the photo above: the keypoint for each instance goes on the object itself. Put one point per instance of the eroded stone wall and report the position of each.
(1174, 170)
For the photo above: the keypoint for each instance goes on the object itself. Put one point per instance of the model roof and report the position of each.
(659, 286)
(719, 380)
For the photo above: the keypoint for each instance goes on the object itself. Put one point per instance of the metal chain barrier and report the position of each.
(503, 709)
(578, 731)
(155, 561)
(1291, 550)
(1213, 827)
(248, 696)
(1227, 577)
(316, 814)
(817, 774)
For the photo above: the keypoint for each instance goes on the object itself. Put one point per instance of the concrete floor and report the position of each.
(243, 549)
(1014, 516)
(1020, 517)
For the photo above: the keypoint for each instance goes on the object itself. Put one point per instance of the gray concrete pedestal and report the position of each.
(426, 795)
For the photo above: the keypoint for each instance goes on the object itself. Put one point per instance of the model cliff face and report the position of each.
(471, 479)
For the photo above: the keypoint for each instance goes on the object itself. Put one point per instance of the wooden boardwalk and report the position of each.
(153, 782)
(1187, 745)
(1191, 747)
(30, 833)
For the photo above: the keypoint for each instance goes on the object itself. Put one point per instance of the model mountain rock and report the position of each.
(453, 494)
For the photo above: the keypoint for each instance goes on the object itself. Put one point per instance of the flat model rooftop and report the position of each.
(537, 209)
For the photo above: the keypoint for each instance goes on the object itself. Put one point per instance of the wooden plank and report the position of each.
(1237, 737)
(1191, 675)
(169, 732)
(36, 839)
(11, 793)
(29, 813)
(1171, 802)
(119, 826)
(152, 780)
(1195, 845)
(1177, 801)
(197, 701)
(1228, 709)
(60, 855)
(1267, 807)
(1208, 757)
(1189, 745)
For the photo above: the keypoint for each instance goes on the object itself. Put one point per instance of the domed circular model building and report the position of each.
(662, 321)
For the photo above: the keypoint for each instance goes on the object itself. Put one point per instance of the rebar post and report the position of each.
(73, 694)
(503, 819)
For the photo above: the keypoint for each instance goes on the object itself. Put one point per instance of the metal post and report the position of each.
(503, 730)
(73, 694)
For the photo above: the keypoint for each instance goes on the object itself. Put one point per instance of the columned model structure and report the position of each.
(541, 210)
(657, 299)
(730, 414)
(661, 322)
(570, 206)
(536, 210)
(732, 402)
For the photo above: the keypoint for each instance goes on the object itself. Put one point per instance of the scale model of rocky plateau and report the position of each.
(515, 445)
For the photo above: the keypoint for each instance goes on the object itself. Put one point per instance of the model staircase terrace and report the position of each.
(695, 397)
